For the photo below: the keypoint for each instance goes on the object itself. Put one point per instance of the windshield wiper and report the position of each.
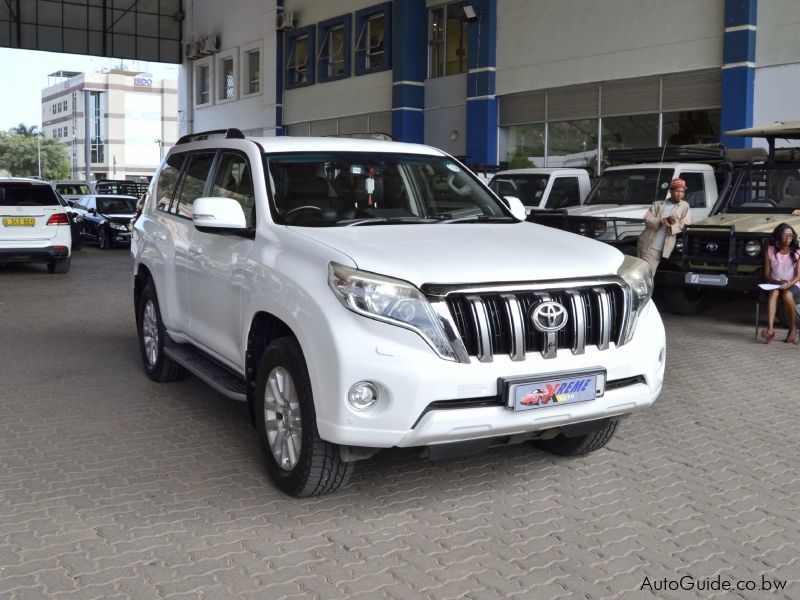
(479, 219)
(386, 221)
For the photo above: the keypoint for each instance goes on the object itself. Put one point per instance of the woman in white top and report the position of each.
(782, 268)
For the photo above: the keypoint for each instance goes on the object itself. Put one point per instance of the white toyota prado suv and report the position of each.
(363, 294)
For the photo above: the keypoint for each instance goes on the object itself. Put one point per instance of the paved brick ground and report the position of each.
(112, 486)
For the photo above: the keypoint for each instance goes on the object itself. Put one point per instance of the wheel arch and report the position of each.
(264, 328)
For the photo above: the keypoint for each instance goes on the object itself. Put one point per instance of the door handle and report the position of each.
(195, 249)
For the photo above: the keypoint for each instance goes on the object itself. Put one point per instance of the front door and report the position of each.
(217, 265)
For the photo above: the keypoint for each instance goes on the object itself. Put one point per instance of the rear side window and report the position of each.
(25, 194)
(193, 183)
(168, 181)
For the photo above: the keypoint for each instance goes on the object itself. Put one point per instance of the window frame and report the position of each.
(309, 34)
(442, 42)
(176, 195)
(324, 30)
(197, 68)
(219, 161)
(220, 59)
(244, 69)
(361, 49)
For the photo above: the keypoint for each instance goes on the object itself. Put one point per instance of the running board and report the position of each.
(199, 364)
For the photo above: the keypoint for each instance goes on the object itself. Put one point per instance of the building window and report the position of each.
(226, 73)
(334, 49)
(299, 66)
(96, 110)
(202, 83)
(447, 40)
(373, 43)
(692, 127)
(253, 70)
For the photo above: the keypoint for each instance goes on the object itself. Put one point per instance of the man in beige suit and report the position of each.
(663, 222)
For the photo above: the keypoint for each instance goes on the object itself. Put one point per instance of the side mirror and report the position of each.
(92, 211)
(71, 202)
(516, 207)
(217, 214)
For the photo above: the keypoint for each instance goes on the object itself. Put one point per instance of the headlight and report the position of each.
(679, 244)
(115, 225)
(752, 248)
(583, 229)
(391, 301)
(636, 274)
(77, 218)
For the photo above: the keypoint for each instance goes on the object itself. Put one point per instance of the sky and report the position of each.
(24, 75)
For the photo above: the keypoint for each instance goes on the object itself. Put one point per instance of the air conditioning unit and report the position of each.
(285, 21)
(210, 45)
(192, 50)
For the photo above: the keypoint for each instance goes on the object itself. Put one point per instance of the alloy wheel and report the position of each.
(150, 333)
(282, 418)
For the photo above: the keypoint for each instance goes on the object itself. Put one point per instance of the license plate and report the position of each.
(706, 279)
(19, 222)
(528, 393)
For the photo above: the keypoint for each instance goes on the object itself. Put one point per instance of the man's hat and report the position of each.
(677, 183)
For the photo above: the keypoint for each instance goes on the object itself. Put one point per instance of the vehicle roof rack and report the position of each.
(367, 135)
(682, 153)
(230, 134)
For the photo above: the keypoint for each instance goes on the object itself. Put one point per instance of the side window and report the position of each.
(565, 192)
(193, 183)
(695, 189)
(168, 181)
(234, 180)
(90, 204)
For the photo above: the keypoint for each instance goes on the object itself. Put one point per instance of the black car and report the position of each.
(75, 223)
(121, 187)
(106, 219)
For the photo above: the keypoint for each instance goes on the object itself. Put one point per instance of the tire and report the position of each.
(103, 241)
(580, 445)
(298, 461)
(158, 366)
(683, 300)
(60, 265)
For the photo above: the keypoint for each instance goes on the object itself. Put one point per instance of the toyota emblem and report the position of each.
(549, 317)
(712, 246)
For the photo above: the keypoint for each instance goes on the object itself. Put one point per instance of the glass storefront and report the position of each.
(692, 127)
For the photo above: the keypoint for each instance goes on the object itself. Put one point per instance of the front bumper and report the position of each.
(414, 385)
(120, 237)
(40, 254)
(707, 280)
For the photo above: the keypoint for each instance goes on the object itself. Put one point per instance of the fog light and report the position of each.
(752, 248)
(363, 395)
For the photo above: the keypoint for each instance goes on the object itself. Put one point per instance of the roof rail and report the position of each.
(705, 153)
(230, 134)
(365, 135)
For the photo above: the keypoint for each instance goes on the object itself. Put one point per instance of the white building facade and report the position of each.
(555, 81)
(132, 118)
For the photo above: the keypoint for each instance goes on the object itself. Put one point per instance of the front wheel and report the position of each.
(299, 462)
(103, 241)
(580, 445)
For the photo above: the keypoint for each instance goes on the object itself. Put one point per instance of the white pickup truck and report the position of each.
(543, 188)
(615, 208)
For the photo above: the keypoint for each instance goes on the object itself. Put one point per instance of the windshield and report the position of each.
(352, 188)
(765, 189)
(631, 186)
(26, 194)
(73, 189)
(116, 205)
(528, 188)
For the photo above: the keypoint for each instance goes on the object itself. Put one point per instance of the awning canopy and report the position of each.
(779, 129)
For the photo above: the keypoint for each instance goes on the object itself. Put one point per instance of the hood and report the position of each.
(748, 222)
(469, 252)
(625, 211)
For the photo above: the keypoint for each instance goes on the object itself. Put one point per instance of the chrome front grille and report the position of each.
(491, 323)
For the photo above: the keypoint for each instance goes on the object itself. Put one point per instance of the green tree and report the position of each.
(519, 160)
(19, 155)
(24, 130)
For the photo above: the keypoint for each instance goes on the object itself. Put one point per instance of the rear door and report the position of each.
(25, 209)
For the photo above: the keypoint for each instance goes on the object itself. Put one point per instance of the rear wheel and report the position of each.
(152, 335)
(580, 445)
(59, 265)
(299, 462)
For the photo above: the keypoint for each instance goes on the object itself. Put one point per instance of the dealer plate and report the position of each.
(719, 280)
(19, 222)
(530, 393)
